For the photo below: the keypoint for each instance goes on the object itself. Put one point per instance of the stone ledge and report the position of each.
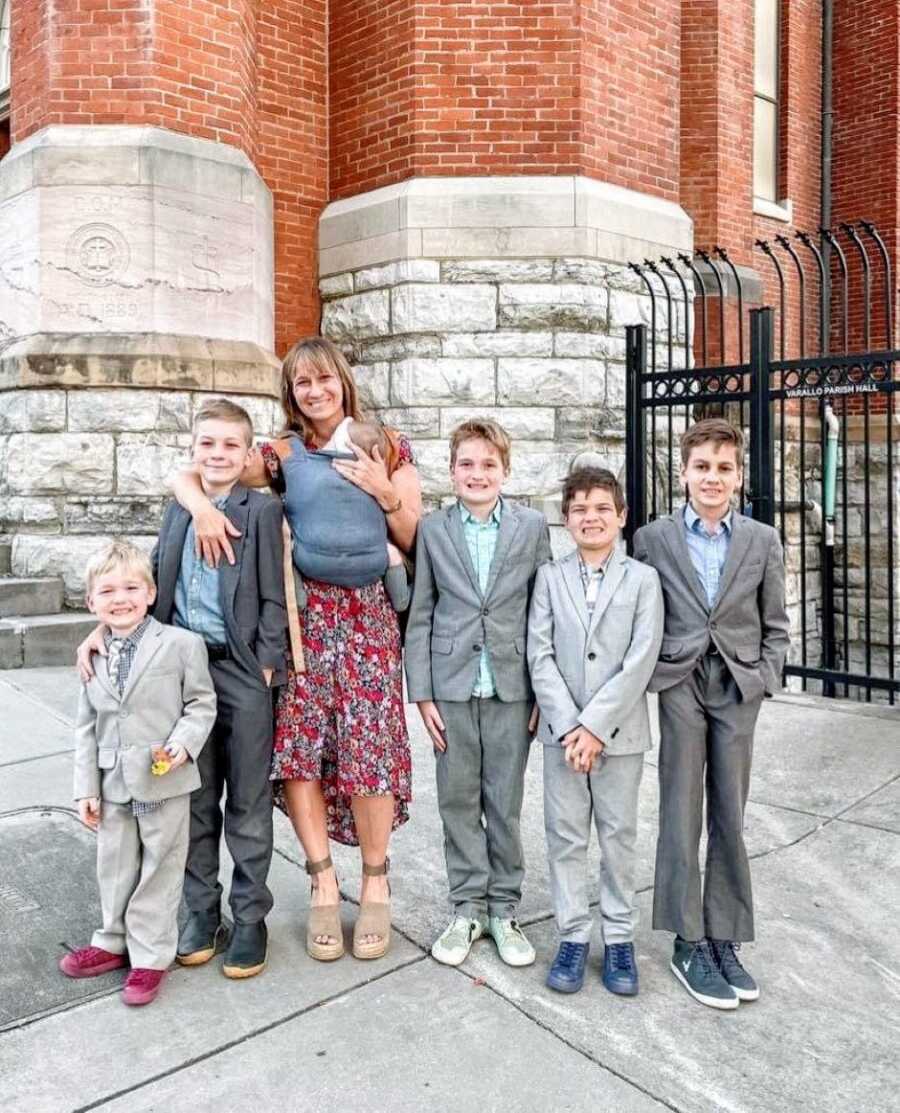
(149, 360)
(498, 217)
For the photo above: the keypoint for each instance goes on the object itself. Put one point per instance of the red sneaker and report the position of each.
(88, 962)
(142, 985)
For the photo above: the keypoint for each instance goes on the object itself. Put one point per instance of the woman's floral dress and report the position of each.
(342, 721)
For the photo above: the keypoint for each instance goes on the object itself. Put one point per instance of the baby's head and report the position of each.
(368, 436)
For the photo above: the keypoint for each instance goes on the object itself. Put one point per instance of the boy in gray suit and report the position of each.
(726, 637)
(142, 722)
(594, 633)
(466, 669)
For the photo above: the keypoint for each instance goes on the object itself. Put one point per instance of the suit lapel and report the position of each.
(612, 577)
(101, 673)
(737, 550)
(170, 563)
(509, 525)
(568, 566)
(230, 574)
(674, 538)
(147, 649)
(453, 522)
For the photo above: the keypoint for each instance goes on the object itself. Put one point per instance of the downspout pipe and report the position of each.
(830, 425)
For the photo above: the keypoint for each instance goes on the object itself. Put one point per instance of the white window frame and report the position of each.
(764, 205)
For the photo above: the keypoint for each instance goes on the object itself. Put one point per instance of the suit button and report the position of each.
(712, 626)
(477, 647)
(123, 714)
(485, 612)
(592, 656)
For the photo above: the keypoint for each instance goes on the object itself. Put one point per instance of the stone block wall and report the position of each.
(536, 344)
(80, 466)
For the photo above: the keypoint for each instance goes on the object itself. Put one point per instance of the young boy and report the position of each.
(239, 611)
(594, 633)
(142, 722)
(466, 669)
(726, 635)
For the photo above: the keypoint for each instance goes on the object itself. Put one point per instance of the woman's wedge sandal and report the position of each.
(374, 919)
(324, 919)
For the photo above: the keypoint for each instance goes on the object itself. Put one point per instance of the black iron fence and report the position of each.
(822, 461)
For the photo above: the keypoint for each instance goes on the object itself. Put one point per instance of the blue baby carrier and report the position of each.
(339, 531)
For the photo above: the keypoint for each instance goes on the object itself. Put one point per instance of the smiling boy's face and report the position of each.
(712, 476)
(477, 474)
(120, 598)
(593, 521)
(221, 451)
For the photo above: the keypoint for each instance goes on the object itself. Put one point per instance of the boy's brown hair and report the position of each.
(117, 554)
(716, 430)
(582, 481)
(481, 428)
(223, 409)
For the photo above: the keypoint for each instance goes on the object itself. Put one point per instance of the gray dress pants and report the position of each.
(237, 759)
(482, 773)
(608, 795)
(706, 736)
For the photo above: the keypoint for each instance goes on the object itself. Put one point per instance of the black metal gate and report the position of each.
(821, 467)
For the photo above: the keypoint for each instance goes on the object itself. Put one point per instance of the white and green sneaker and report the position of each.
(512, 946)
(452, 946)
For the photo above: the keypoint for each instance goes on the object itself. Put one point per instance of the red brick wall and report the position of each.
(293, 152)
(183, 64)
(628, 93)
(504, 88)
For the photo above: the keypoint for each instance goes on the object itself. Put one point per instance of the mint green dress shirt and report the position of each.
(481, 539)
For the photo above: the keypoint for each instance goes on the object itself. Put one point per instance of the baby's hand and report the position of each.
(395, 557)
(89, 811)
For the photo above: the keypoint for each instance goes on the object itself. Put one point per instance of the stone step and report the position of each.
(5, 555)
(20, 595)
(33, 641)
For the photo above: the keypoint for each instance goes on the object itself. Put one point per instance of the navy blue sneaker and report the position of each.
(620, 974)
(567, 972)
(725, 954)
(694, 965)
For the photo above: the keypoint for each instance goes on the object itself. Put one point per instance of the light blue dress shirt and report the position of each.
(481, 540)
(708, 552)
(197, 603)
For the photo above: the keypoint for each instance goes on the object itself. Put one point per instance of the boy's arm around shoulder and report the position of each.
(558, 709)
(773, 617)
(198, 697)
(613, 702)
(86, 781)
(418, 627)
(271, 634)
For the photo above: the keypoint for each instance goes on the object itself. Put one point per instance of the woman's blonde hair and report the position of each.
(326, 358)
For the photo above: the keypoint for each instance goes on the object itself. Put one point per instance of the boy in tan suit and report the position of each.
(142, 721)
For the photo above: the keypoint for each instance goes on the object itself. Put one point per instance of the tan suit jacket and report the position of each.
(169, 697)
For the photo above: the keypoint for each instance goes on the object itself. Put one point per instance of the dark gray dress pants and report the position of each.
(237, 759)
(706, 738)
(482, 773)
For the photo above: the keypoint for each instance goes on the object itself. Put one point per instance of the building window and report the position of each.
(765, 100)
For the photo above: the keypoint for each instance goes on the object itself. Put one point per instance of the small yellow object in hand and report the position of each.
(161, 761)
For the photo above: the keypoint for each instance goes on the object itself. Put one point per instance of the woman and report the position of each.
(341, 748)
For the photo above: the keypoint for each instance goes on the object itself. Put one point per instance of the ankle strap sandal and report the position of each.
(374, 919)
(323, 920)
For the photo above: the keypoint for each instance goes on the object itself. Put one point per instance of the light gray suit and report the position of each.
(482, 771)
(593, 670)
(168, 697)
(717, 663)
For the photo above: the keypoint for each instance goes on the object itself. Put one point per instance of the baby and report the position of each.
(339, 531)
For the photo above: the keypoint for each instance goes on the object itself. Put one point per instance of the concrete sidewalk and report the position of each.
(404, 1033)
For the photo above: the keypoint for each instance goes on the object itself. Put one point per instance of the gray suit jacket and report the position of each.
(449, 618)
(747, 622)
(251, 589)
(594, 670)
(168, 697)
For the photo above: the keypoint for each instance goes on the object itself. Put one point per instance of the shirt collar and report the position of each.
(586, 569)
(133, 638)
(494, 517)
(694, 522)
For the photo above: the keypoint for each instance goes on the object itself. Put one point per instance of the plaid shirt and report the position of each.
(591, 581)
(120, 657)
